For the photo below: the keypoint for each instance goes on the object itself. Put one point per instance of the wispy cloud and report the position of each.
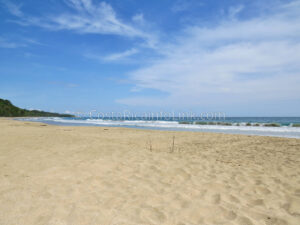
(85, 17)
(234, 11)
(180, 6)
(12, 8)
(121, 55)
(138, 18)
(113, 57)
(32, 41)
(17, 42)
(72, 85)
(236, 61)
(4, 43)
(183, 5)
(63, 84)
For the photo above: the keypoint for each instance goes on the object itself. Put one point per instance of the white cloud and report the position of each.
(32, 41)
(4, 43)
(17, 43)
(121, 55)
(113, 57)
(138, 18)
(236, 61)
(12, 8)
(72, 85)
(234, 11)
(179, 6)
(94, 19)
(183, 5)
(86, 17)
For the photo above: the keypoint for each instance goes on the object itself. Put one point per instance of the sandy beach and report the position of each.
(55, 175)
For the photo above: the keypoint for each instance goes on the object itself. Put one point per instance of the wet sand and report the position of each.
(54, 175)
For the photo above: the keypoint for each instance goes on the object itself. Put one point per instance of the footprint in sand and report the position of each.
(229, 215)
(257, 202)
(293, 207)
(216, 198)
(152, 215)
(263, 190)
(244, 221)
(297, 192)
(233, 199)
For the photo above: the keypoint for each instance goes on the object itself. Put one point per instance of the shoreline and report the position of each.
(107, 175)
(284, 132)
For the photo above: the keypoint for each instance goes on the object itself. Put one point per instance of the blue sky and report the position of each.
(238, 57)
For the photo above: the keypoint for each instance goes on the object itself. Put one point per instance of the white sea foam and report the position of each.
(284, 131)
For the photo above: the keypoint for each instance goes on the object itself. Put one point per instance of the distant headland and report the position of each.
(7, 109)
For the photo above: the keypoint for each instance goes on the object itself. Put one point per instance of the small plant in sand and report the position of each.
(248, 124)
(296, 125)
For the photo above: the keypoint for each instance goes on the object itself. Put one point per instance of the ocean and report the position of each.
(265, 126)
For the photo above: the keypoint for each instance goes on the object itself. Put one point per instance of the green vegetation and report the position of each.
(9, 110)
(272, 125)
(248, 124)
(256, 125)
(296, 125)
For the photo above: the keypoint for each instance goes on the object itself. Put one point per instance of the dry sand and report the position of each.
(53, 175)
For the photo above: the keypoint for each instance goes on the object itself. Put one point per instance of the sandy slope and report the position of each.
(52, 175)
